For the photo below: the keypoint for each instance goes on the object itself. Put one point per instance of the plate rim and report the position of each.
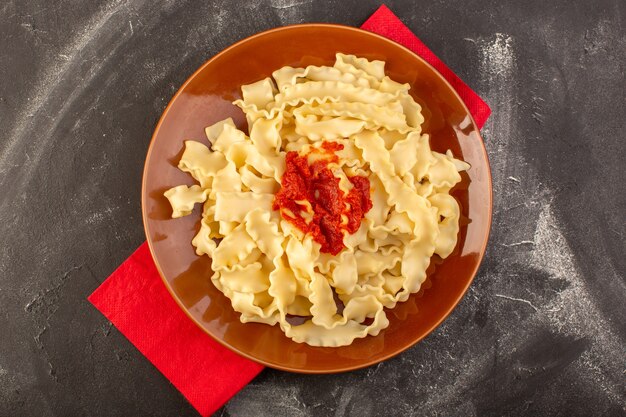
(366, 363)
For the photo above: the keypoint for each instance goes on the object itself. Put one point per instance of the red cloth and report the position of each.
(136, 301)
(387, 24)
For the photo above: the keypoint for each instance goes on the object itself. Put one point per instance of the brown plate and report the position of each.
(206, 98)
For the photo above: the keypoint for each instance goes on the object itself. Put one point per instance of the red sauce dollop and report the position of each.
(316, 184)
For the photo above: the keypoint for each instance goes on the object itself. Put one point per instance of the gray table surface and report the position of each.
(540, 332)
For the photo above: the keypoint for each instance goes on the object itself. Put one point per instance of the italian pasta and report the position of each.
(330, 210)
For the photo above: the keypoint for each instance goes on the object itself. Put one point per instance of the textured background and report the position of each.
(541, 330)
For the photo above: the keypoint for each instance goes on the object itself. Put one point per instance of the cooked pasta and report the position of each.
(332, 207)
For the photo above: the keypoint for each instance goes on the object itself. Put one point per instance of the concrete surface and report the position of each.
(541, 331)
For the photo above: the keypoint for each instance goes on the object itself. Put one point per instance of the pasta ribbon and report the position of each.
(270, 269)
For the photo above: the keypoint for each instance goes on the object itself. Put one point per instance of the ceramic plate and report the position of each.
(206, 98)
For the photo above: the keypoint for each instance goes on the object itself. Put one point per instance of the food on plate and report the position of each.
(330, 210)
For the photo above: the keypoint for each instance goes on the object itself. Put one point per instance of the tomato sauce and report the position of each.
(316, 184)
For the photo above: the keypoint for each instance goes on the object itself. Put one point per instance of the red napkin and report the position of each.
(387, 24)
(136, 301)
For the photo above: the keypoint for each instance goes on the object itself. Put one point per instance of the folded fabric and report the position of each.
(387, 24)
(136, 301)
